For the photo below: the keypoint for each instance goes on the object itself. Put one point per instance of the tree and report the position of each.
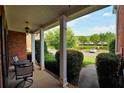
(53, 38)
(112, 46)
(102, 37)
(82, 39)
(95, 38)
(109, 36)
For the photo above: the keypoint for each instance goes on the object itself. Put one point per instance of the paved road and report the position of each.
(53, 51)
(88, 77)
(90, 54)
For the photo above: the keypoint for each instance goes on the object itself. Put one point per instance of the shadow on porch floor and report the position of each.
(41, 79)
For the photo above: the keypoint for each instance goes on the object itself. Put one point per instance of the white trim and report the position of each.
(42, 49)
(33, 47)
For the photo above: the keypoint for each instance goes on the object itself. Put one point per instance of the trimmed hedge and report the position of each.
(52, 66)
(89, 47)
(74, 63)
(107, 65)
(37, 49)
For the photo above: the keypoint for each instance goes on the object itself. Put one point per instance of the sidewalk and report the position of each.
(88, 77)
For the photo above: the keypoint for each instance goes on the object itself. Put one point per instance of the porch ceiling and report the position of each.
(44, 15)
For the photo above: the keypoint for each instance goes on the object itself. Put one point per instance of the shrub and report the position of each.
(37, 49)
(74, 63)
(89, 47)
(52, 66)
(107, 69)
(112, 46)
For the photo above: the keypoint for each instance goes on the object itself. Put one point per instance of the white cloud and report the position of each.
(96, 30)
(102, 29)
(107, 14)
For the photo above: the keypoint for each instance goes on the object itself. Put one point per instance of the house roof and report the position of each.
(46, 16)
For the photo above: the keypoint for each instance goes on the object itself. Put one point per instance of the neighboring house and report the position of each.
(88, 43)
(102, 43)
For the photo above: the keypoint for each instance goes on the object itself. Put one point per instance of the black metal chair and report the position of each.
(24, 72)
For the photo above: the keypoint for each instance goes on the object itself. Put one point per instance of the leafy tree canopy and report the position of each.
(53, 38)
(82, 39)
(95, 38)
(109, 36)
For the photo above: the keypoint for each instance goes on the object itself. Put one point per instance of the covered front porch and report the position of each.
(41, 18)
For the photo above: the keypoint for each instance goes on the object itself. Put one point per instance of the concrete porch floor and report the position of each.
(41, 79)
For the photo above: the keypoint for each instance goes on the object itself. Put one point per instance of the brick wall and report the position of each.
(17, 45)
(120, 28)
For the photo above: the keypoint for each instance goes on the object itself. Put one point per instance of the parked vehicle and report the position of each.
(93, 50)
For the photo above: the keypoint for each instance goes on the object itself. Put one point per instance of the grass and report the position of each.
(88, 60)
(49, 57)
(103, 50)
(98, 50)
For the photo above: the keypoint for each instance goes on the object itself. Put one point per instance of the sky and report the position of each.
(98, 22)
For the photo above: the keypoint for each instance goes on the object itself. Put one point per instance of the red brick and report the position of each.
(17, 45)
(120, 28)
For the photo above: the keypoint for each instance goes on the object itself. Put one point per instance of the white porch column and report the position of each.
(63, 52)
(42, 49)
(33, 47)
(116, 38)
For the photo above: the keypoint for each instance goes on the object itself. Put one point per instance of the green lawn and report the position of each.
(88, 60)
(99, 50)
(49, 57)
(103, 50)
